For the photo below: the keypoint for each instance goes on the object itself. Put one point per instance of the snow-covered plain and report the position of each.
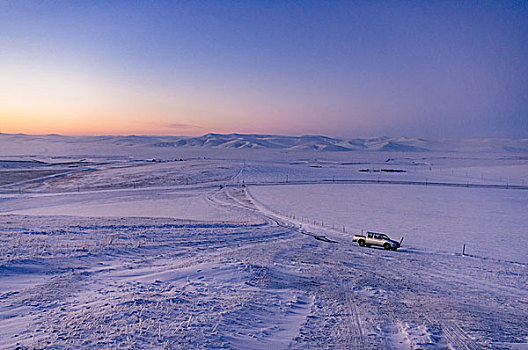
(490, 222)
(142, 242)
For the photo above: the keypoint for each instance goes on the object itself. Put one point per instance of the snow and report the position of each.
(490, 222)
(178, 204)
(149, 242)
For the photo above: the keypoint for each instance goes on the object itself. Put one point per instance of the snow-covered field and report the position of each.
(140, 242)
(490, 222)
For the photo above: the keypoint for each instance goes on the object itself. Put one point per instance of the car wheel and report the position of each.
(387, 246)
(361, 243)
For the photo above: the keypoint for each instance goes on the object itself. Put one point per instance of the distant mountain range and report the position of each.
(291, 143)
(304, 143)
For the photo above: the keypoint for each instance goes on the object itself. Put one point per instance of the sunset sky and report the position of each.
(339, 68)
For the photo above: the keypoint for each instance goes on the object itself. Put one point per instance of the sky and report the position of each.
(337, 68)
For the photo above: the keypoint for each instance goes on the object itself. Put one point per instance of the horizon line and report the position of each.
(270, 134)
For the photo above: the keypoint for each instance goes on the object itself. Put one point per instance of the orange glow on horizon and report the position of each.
(119, 126)
(48, 97)
(43, 126)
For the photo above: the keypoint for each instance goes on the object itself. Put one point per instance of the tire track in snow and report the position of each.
(458, 338)
(354, 324)
(354, 337)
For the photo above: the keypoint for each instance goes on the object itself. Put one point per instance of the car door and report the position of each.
(377, 240)
(370, 238)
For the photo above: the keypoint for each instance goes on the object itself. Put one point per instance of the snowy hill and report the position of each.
(304, 143)
(276, 142)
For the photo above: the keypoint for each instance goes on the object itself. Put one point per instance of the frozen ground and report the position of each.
(188, 204)
(119, 243)
(490, 222)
